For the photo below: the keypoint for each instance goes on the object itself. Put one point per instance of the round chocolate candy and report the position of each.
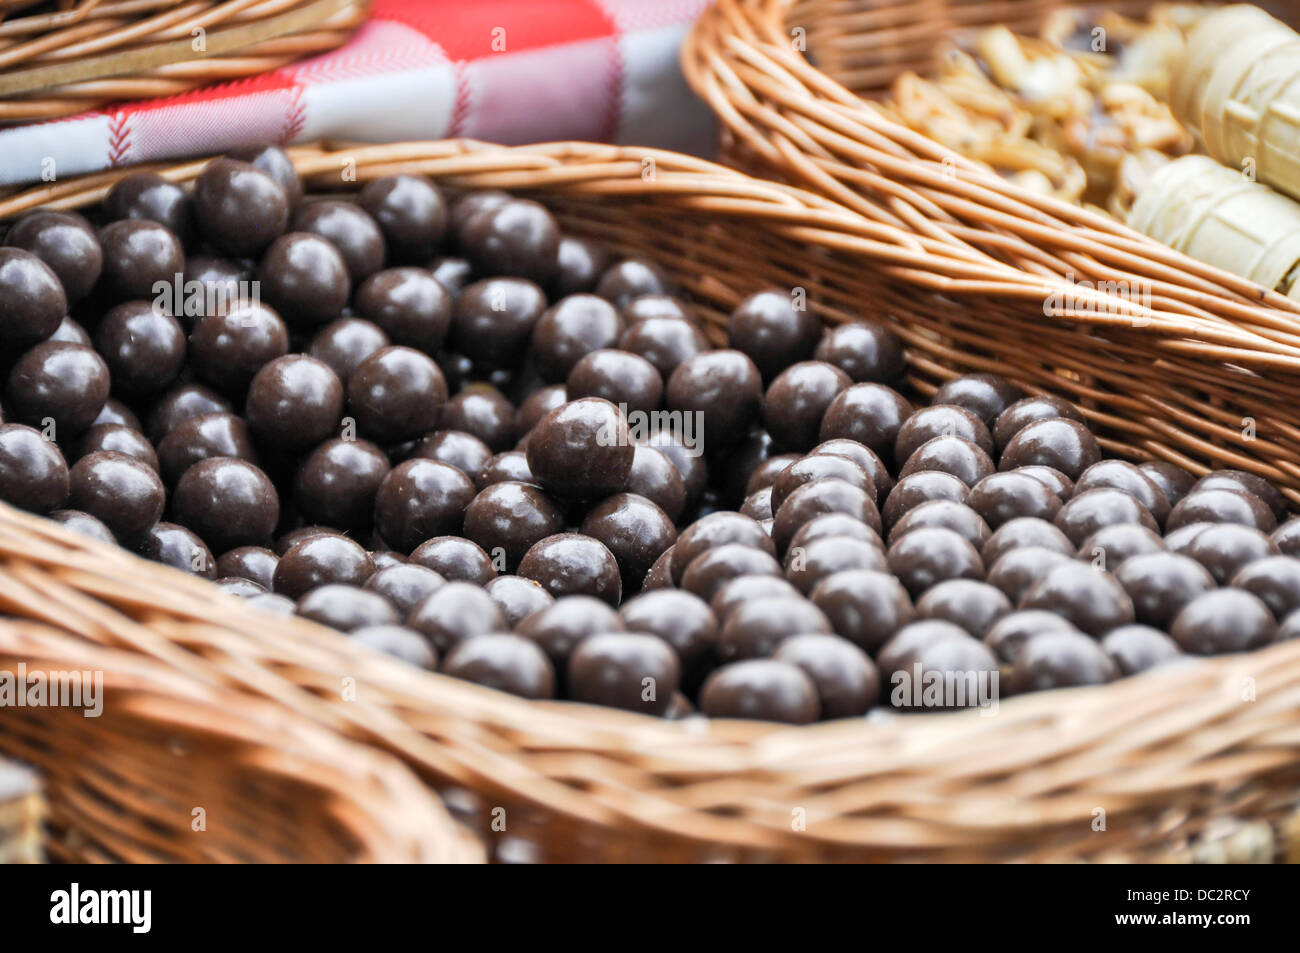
(143, 346)
(1091, 599)
(654, 477)
(1058, 442)
(505, 662)
(717, 529)
(624, 670)
(420, 499)
(561, 626)
(1275, 580)
(755, 629)
(411, 212)
(400, 642)
(63, 385)
(1171, 479)
(1026, 411)
(345, 343)
(957, 517)
(946, 674)
(1116, 474)
(1009, 634)
(182, 403)
(1228, 548)
(463, 451)
(1053, 479)
(1220, 505)
(1094, 510)
(32, 302)
(570, 564)
(509, 466)
(898, 654)
(742, 590)
(409, 304)
(681, 619)
(1024, 531)
(975, 606)
(228, 348)
(918, 488)
(723, 392)
(256, 563)
(818, 497)
(83, 523)
(66, 243)
(865, 350)
(517, 238)
(634, 530)
(1002, 497)
(808, 565)
(116, 412)
(955, 455)
(346, 607)
(634, 278)
(1250, 483)
(240, 209)
(396, 394)
(457, 559)
(33, 474)
(150, 197)
(846, 679)
(579, 263)
(120, 491)
(1018, 570)
(1108, 548)
(1139, 648)
(1223, 621)
(405, 585)
(864, 606)
(761, 689)
(177, 547)
(294, 402)
(518, 598)
(119, 439)
(871, 414)
(664, 341)
(711, 570)
(984, 395)
(1061, 660)
(306, 280)
(140, 258)
(510, 518)
(568, 330)
(582, 450)
(319, 561)
(276, 163)
(198, 438)
(337, 483)
(773, 332)
(929, 555)
(625, 380)
(485, 412)
(228, 502)
(348, 228)
(939, 420)
(538, 404)
(796, 402)
(820, 467)
(454, 613)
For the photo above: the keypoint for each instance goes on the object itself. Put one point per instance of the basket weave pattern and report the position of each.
(1181, 765)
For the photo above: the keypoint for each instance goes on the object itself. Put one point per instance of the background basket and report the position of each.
(89, 52)
(1176, 764)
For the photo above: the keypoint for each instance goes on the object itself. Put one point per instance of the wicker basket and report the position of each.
(1174, 765)
(176, 769)
(90, 52)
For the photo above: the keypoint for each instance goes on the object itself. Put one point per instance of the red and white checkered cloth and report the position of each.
(509, 71)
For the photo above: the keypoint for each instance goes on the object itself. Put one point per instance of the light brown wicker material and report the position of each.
(170, 753)
(97, 51)
(1182, 767)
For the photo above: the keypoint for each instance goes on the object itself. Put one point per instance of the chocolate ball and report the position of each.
(1275, 580)
(537, 405)
(138, 255)
(1053, 479)
(871, 414)
(511, 466)
(1223, 621)
(1009, 634)
(1139, 648)
(984, 395)
(118, 439)
(944, 514)
(457, 559)
(346, 607)
(256, 563)
(455, 613)
(797, 401)
(623, 379)
(65, 385)
(400, 642)
(1060, 443)
(711, 570)
(396, 394)
(865, 350)
(507, 663)
(648, 307)
(567, 564)
(1019, 570)
(70, 332)
(1002, 497)
(681, 619)
(149, 197)
(33, 474)
(202, 437)
(654, 477)
(718, 529)
(1094, 510)
(755, 629)
(822, 496)
(918, 488)
(120, 491)
(294, 402)
(808, 565)
(899, 653)
(570, 329)
(964, 664)
(664, 341)
(1222, 506)
(846, 679)
(463, 451)
(820, 467)
(305, 278)
(350, 230)
(295, 536)
(582, 450)
(724, 389)
(766, 472)
(517, 598)
(1061, 660)
(32, 302)
(634, 278)
(180, 404)
(1256, 486)
(345, 343)
(85, 524)
(975, 606)
(1025, 531)
(1172, 480)
(143, 346)
(634, 530)
(579, 263)
(939, 420)
(1027, 410)
(1108, 548)
(228, 502)
(561, 626)
(1228, 548)
(228, 349)
(216, 284)
(762, 690)
(320, 561)
(774, 333)
(177, 547)
(116, 412)
(624, 670)
(518, 238)
(864, 606)
(511, 517)
(410, 211)
(1093, 600)
(742, 590)
(337, 483)
(276, 163)
(66, 243)
(420, 499)
(239, 209)
(405, 586)
(482, 410)
(928, 556)
(955, 455)
(409, 304)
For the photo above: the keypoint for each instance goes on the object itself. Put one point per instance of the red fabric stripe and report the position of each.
(468, 29)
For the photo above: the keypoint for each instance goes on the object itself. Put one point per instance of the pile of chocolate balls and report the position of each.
(494, 450)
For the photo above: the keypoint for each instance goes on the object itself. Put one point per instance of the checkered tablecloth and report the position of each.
(509, 71)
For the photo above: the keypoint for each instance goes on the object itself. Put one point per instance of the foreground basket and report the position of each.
(176, 769)
(91, 52)
(1197, 762)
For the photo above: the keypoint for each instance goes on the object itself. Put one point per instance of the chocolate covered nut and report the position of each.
(1223, 621)
(1025, 531)
(319, 561)
(579, 263)
(975, 606)
(346, 607)
(420, 499)
(865, 350)
(517, 598)
(1018, 570)
(66, 243)
(1009, 634)
(928, 556)
(507, 663)
(755, 629)
(255, 563)
(177, 547)
(635, 530)
(350, 229)
(864, 606)
(871, 414)
(83, 523)
(918, 488)
(1093, 510)
(345, 343)
(1139, 648)
(723, 390)
(33, 474)
(294, 402)
(561, 626)
(808, 565)
(1108, 548)
(396, 394)
(143, 346)
(818, 497)
(940, 420)
(1091, 599)
(510, 518)
(306, 280)
(955, 455)
(228, 348)
(984, 395)
(201, 437)
(337, 483)
(633, 278)
(139, 257)
(120, 491)
(65, 385)
(32, 302)
(119, 439)
(1221, 506)
(625, 380)
(582, 450)
(1058, 442)
(570, 564)
(1061, 660)
(1119, 475)
(517, 238)
(663, 341)
(762, 689)
(568, 330)
(774, 333)
(400, 642)
(797, 400)
(847, 681)
(455, 613)
(1228, 548)
(624, 670)
(1027, 410)
(1002, 497)
(411, 212)
(482, 410)
(405, 585)
(228, 502)
(681, 619)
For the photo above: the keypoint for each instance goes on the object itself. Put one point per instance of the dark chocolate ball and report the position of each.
(1061, 660)
(249, 562)
(346, 607)
(85, 524)
(984, 395)
(718, 529)
(1010, 633)
(1223, 621)
(345, 343)
(276, 163)
(568, 564)
(320, 561)
(623, 379)
(723, 390)
(119, 439)
(664, 341)
(32, 302)
(511, 517)
(755, 629)
(765, 474)
(405, 585)
(463, 451)
(1250, 483)
(846, 679)
(1019, 570)
(864, 606)
(337, 483)
(292, 538)
(742, 590)
(713, 569)
(505, 662)
(458, 559)
(239, 209)
(138, 255)
(1025, 531)
(537, 405)
(818, 497)
(561, 626)
(1053, 479)
(214, 286)
(651, 306)
(1171, 479)
(116, 412)
(1139, 648)
(198, 438)
(1027, 410)
(762, 690)
(305, 278)
(409, 304)
(773, 332)
(570, 329)
(396, 394)
(1222, 506)
(975, 606)
(1119, 475)
(582, 450)
(964, 670)
(929, 555)
(634, 278)
(70, 332)
(455, 613)
(868, 352)
(33, 474)
(348, 228)
(120, 491)
(228, 502)
(1275, 580)
(228, 349)
(411, 212)
(66, 243)
(634, 530)
(177, 547)
(150, 197)
(1228, 548)
(420, 499)
(871, 414)
(1094, 510)
(939, 420)
(820, 467)
(1108, 548)
(654, 477)
(517, 598)
(956, 455)
(681, 619)
(143, 346)
(400, 642)
(65, 385)
(518, 238)
(808, 565)
(1002, 497)
(945, 514)
(899, 653)
(579, 263)
(918, 488)
(1093, 600)
(294, 402)
(485, 412)
(509, 466)
(624, 670)
(684, 448)
(796, 402)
